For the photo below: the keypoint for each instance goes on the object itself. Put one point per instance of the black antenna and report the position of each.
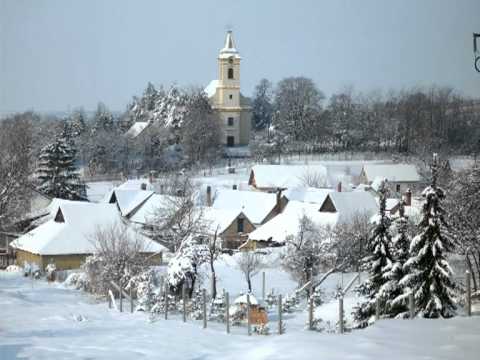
(476, 53)
(475, 37)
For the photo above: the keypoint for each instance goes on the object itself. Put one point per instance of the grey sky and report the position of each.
(60, 54)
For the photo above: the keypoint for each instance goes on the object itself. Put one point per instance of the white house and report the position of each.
(400, 177)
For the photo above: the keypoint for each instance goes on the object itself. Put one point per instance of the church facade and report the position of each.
(233, 108)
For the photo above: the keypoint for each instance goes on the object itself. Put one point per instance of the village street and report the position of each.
(47, 321)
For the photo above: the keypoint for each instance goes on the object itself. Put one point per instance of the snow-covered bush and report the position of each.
(50, 272)
(144, 284)
(262, 329)
(218, 309)
(77, 280)
(31, 270)
(14, 268)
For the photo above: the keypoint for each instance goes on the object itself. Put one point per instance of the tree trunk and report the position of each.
(214, 280)
(249, 282)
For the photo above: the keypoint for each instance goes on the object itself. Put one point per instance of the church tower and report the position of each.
(233, 109)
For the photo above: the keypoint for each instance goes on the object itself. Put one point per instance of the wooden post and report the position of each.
(377, 309)
(121, 297)
(184, 300)
(469, 293)
(411, 304)
(249, 326)
(310, 313)
(131, 299)
(227, 311)
(263, 285)
(109, 299)
(161, 283)
(166, 301)
(280, 314)
(204, 296)
(340, 314)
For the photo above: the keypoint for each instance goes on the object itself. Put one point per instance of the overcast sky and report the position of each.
(61, 54)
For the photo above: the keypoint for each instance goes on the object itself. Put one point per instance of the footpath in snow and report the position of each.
(47, 321)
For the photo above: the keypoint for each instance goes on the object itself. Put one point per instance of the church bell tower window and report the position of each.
(230, 73)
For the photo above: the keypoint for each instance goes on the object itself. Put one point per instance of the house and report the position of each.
(232, 226)
(269, 178)
(233, 108)
(66, 239)
(337, 207)
(257, 206)
(400, 177)
(128, 201)
(307, 194)
(285, 225)
(349, 204)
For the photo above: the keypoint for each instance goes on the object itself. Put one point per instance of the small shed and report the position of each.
(258, 313)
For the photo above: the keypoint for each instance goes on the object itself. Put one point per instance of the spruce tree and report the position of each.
(428, 272)
(56, 173)
(392, 290)
(379, 263)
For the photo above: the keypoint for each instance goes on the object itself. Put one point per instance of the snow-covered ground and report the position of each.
(48, 321)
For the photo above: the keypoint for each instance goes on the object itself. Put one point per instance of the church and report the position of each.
(224, 93)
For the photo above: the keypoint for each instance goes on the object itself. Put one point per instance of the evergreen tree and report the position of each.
(78, 123)
(103, 120)
(392, 290)
(379, 263)
(56, 172)
(262, 108)
(428, 272)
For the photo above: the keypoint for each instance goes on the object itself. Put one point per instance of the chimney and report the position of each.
(279, 201)
(339, 186)
(209, 196)
(143, 186)
(234, 187)
(408, 197)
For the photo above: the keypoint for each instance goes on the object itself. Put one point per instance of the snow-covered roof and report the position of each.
(220, 219)
(136, 184)
(129, 200)
(73, 235)
(287, 223)
(348, 204)
(151, 208)
(211, 88)
(393, 172)
(136, 129)
(254, 204)
(308, 195)
(242, 299)
(289, 176)
(229, 49)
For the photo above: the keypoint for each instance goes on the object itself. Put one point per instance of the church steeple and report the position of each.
(229, 47)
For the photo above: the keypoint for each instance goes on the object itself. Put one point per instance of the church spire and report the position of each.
(229, 47)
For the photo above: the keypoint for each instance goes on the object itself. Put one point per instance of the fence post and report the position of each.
(263, 285)
(121, 297)
(227, 311)
(280, 314)
(131, 299)
(411, 304)
(204, 296)
(310, 313)
(249, 326)
(109, 299)
(377, 309)
(166, 302)
(340, 314)
(469, 293)
(184, 300)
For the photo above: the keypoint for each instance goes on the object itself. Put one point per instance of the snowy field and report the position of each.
(48, 321)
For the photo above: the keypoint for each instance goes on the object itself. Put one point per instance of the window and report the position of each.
(398, 187)
(230, 73)
(230, 96)
(230, 121)
(240, 225)
(230, 141)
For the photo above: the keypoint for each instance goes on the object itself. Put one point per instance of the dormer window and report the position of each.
(230, 73)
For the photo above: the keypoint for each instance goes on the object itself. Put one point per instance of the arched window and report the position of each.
(230, 73)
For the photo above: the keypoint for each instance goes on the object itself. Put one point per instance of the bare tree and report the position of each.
(250, 263)
(178, 218)
(312, 178)
(119, 255)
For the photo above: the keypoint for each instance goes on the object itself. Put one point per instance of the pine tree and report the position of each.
(428, 272)
(379, 263)
(392, 290)
(262, 108)
(56, 173)
(103, 120)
